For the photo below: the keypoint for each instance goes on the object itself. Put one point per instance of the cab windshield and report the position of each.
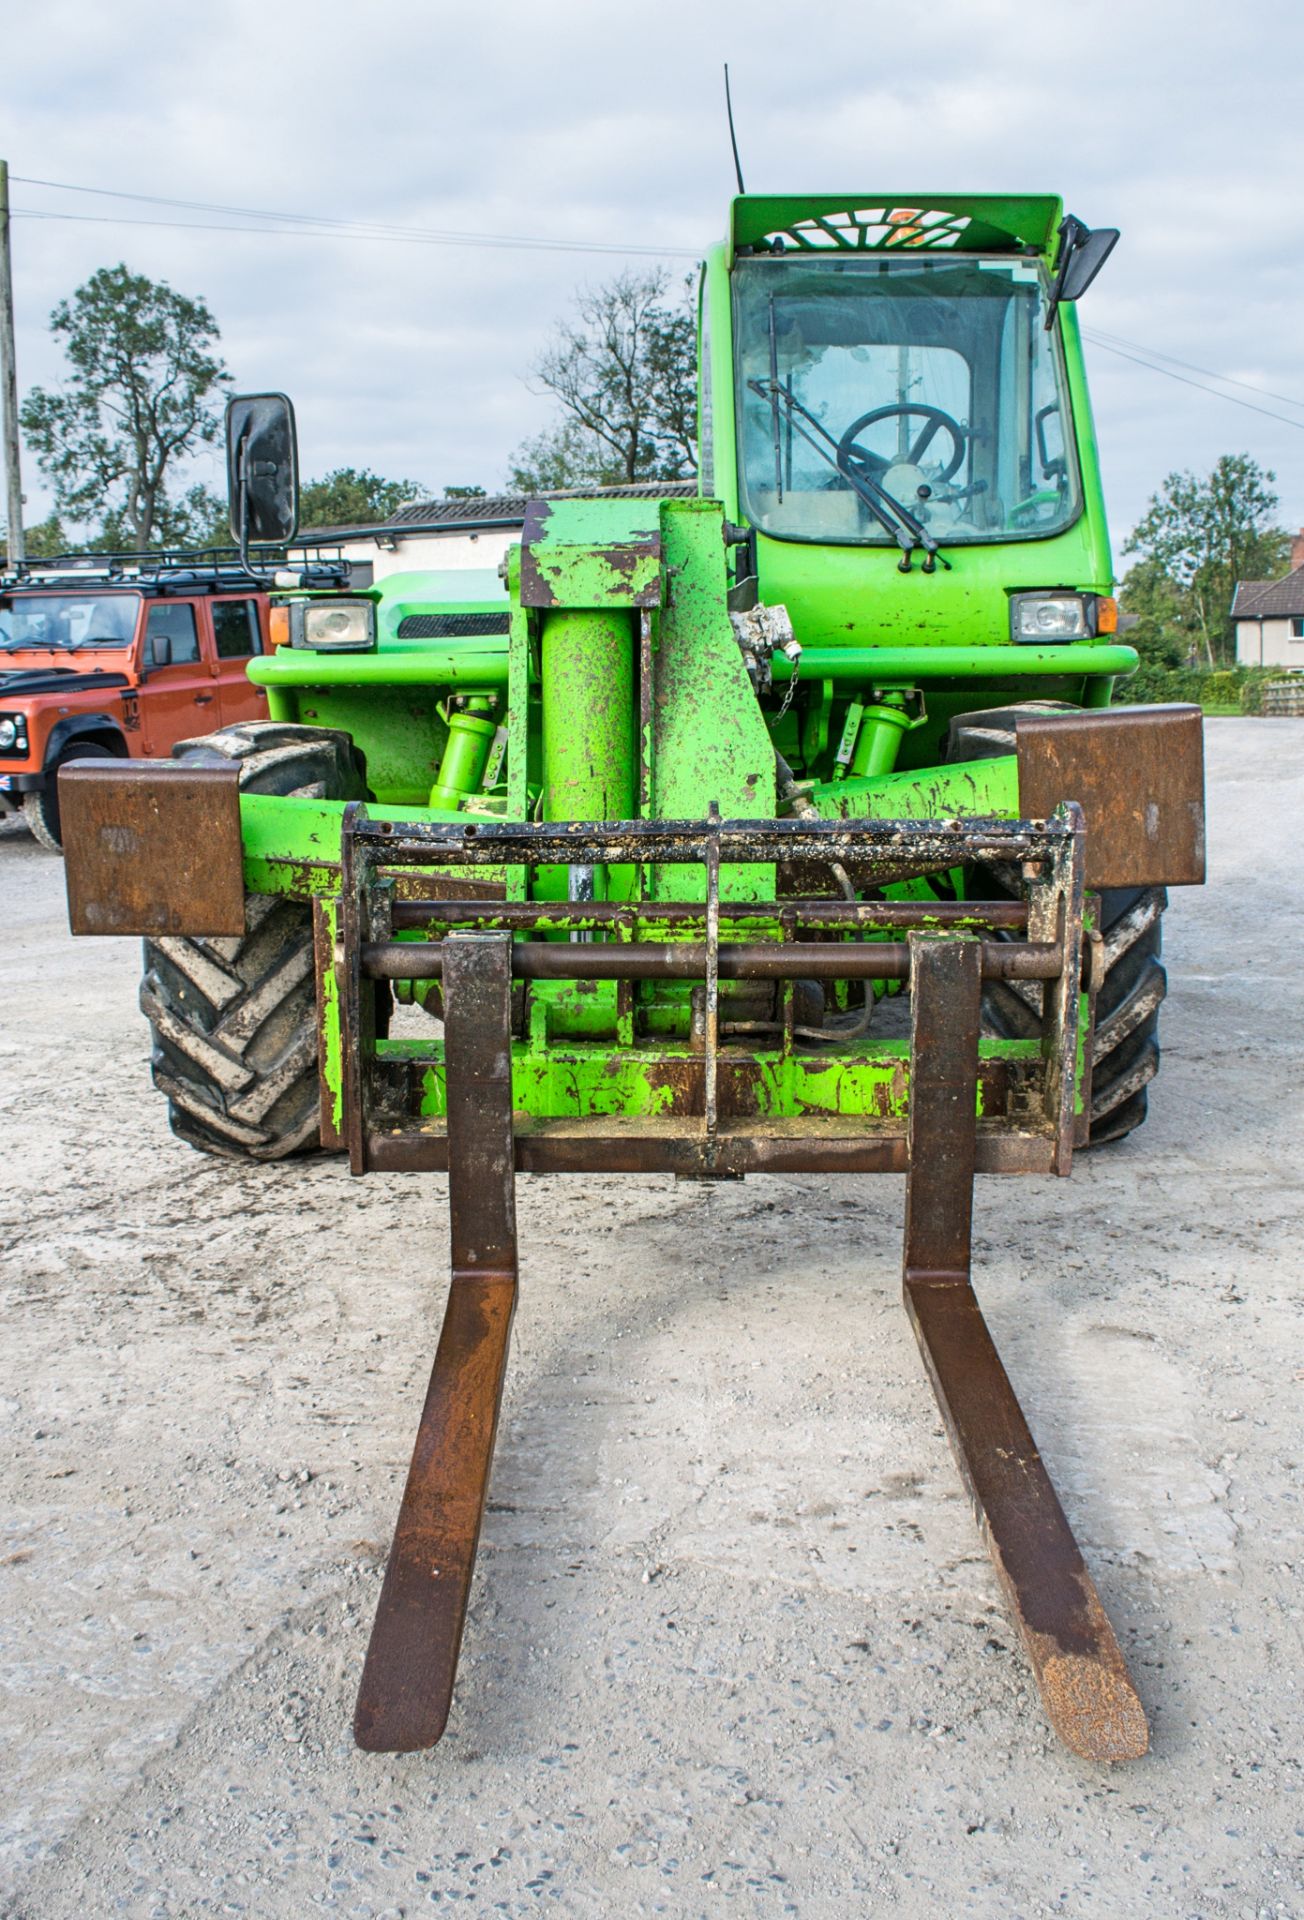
(873, 384)
(67, 621)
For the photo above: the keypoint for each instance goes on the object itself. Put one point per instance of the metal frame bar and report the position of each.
(736, 1131)
(709, 960)
(813, 915)
(483, 842)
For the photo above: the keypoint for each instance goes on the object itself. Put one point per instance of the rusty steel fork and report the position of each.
(1085, 1685)
(411, 1665)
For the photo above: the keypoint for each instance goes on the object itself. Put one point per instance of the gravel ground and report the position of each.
(734, 1643)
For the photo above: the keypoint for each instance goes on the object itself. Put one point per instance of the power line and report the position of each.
(1152, 366)
(325, 226)
(328, 227)
(491, 242)
(1264, 393)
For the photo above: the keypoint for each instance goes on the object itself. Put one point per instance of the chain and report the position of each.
(790, 695)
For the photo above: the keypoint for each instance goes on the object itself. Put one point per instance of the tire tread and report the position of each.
(234, 1018)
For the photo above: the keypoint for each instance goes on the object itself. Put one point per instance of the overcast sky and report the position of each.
(1181, 123)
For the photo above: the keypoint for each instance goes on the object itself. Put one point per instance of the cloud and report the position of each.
(586, 121)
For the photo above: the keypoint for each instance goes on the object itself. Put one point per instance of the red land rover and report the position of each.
(99, 657)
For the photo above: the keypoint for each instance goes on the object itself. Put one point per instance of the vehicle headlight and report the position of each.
(333, 626)
(13, 733)
(1052, 616)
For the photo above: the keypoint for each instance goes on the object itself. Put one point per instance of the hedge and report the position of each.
(1237, 687)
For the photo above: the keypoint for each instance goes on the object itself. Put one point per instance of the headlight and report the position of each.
(13, 733)
(1052, 616)
(333, 626)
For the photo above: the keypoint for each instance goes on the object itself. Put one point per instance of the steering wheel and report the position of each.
(877, 465)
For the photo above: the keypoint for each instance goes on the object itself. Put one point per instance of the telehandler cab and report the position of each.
(658, 824)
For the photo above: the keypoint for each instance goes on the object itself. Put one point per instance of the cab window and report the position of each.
(235, 629)
(171, 637)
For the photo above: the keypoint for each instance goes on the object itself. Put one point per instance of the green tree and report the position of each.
(623, 373)
(1163, 635)
(1197, 538)
(140, 401)
(196, 518)
(46, 539)
(354, 497)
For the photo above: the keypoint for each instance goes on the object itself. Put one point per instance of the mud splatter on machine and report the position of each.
(660, 823)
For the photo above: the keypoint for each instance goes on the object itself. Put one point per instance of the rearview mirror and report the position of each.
(1083, 251)
(262, 468)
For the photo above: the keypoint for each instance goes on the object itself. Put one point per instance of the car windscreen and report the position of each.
(67, 621)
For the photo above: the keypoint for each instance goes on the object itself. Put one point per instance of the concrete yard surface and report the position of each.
(734, 1643)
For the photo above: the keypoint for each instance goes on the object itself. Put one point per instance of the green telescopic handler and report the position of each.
(785, 828)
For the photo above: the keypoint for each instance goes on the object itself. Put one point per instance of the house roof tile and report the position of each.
(1269, 599)
(489, 510)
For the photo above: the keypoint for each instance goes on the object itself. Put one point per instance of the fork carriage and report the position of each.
(954, 1106)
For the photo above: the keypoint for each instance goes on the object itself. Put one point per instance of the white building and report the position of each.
(1269, 616)
(466, 532)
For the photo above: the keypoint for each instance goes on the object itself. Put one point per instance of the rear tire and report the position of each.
(41, 810)
(234, 1020)
(1125, 1046)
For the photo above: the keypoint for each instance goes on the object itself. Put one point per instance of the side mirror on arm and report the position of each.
(1083, 251)
(262, 469)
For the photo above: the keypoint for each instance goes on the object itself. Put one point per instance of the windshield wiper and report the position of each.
(895, 519)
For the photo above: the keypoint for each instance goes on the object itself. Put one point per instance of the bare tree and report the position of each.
(624, 373)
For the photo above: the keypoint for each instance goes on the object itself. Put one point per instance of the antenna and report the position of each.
(733, 138)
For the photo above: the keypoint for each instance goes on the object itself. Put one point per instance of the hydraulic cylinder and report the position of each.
(466, 752)
(882, 726)
(587, 674)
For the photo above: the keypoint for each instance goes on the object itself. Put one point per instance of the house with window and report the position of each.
(1269, 617)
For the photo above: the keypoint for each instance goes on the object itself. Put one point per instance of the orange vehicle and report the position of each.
(122, 656)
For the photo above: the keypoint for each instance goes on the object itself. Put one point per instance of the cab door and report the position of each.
(178, 690)
(238, 635)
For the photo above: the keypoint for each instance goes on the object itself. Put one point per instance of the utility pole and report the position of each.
(9, 380)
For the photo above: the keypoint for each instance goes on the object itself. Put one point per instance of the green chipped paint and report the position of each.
(574, 1080)
(470, 669)
(593, 554)
(710, 742)
(292, 844)
(332, 1043)
(967, 789)
(937, 660)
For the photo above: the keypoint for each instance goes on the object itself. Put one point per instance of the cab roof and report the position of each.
(877, 222)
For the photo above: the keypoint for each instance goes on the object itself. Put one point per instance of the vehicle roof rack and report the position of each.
(180, 570)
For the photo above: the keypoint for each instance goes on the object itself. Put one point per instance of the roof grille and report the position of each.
(875, 227)
(450, 626)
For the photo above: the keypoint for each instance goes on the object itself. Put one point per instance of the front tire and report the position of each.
(234, 1020)
(1125, 1045)
(41, 809)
